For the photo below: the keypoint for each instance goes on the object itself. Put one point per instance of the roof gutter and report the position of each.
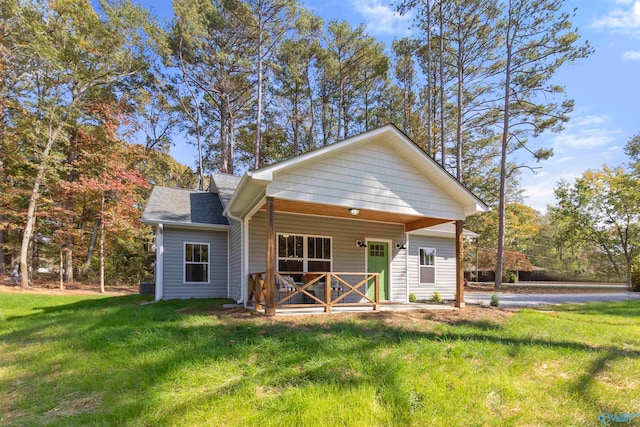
(179, 224)
(243, 183)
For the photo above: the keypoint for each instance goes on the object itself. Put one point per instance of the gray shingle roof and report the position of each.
(184, 206)
(225, 185)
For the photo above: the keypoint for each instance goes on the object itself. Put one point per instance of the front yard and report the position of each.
(80, 360)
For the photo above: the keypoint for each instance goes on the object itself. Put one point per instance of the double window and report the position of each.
(304, 253)
(196, 263)
(427, 267)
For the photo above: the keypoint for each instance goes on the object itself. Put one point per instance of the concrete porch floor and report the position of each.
(359, 309)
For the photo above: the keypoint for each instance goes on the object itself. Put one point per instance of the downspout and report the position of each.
(245, 260)
(159, 269)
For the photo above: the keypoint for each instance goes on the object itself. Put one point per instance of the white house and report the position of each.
(366, 220)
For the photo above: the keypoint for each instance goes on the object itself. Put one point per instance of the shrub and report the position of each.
(412, 298)
(495, 301)
(512, 278)
(436, 297)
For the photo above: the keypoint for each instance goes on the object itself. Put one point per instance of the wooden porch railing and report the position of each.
(257, 290)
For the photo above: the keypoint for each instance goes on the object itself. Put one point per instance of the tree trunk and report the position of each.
(2, 253)
(502, 203)
(340, 103)
(92, 245)
(460, 76)
(258, 144)
(312, 125)
(224, 155)
(231, 143)
(195, 118)
(102, 233)
(2, 233)
(68, 264)
(325, 124)
(366, 103)
(60, 275)
(429, 82)
(296, 123)
(31, 211)
(199, 144)
(68, 219)
(442, 144)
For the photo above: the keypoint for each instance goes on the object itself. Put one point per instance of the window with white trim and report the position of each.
(304, 253)
(427, 265)
(196, 262)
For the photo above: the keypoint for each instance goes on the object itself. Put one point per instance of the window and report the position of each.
(427, 265)
(304, 253)
(196, 263)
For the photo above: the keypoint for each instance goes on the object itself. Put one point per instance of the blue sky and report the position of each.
(605, 86)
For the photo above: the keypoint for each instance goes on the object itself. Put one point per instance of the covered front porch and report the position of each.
(315, 257)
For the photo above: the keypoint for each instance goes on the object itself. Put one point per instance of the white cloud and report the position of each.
(614, 148)
(563, 159)
(631, 55)
(585, 132)
(590, 120)
(584, 139)
(381, 19)
(622, 18)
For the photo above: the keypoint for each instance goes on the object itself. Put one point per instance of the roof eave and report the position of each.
(193, 225)
(438, 233)
(250, 190)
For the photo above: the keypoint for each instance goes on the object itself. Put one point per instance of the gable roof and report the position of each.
(253, 184)
(188, 208)
(224, 185)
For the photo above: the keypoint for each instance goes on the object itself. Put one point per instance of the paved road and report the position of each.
(575, 285)
(532, 300)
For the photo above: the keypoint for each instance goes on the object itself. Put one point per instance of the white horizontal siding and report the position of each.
(368, 177)
(235, 259)
(344, 232)
(173, 269)
(445, 267)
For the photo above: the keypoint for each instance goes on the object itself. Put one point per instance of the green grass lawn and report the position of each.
(112, 361)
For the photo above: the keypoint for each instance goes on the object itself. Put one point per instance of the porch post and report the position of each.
(270, 307)
(459, 266)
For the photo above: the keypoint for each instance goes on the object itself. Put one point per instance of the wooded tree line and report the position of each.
(93, 98)
(597, 218)
(71, 185)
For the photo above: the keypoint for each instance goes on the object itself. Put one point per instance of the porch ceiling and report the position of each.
(411, 222)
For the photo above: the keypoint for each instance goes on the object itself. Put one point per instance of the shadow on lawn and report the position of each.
(156, 341)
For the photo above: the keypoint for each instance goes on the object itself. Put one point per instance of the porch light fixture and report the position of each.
(360, 244)
(401, 246)
(354, 211)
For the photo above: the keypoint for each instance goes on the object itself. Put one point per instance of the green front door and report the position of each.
(378, 262)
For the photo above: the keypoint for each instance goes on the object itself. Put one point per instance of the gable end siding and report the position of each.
(173, 269)
(370, 177)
